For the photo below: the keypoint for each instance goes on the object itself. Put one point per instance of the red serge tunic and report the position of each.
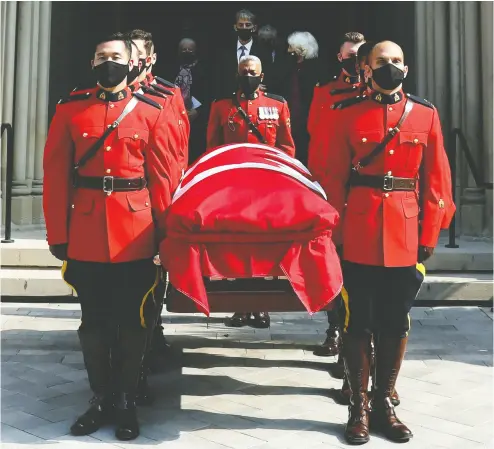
(249, 210)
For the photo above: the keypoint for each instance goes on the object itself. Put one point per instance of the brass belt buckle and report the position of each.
(107, 179)
(388, 183)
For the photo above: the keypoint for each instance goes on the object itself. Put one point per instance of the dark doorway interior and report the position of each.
(76, 25)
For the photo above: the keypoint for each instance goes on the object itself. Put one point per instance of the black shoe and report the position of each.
(331, 345)
(101, 412)
(126, 418)
(261, 320)
(239, 319)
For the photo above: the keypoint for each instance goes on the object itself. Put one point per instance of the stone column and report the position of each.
(486, 36)
(8, 70)
(41, 124)
(21, 201)
(33, 87)
(473, 197)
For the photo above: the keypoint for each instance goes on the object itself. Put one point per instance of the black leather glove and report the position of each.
(59, 251)
(425, 252)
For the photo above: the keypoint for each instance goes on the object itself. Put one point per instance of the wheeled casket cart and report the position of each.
(248, 229)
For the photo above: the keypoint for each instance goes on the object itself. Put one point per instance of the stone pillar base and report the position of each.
(22, 210)
(38, 217)
(472, 212)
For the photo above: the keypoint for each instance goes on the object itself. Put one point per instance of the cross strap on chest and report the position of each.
(247, 120)
(381, 146)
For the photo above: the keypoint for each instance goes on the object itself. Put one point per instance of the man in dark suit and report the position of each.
(272, 53)
(227, 59)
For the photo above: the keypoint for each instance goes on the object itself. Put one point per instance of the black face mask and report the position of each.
(267, 43)
(110, 73)
(350, 65)
(249, 84)
(135, 72)
(245, 34)
(187, 57)
(388, 77)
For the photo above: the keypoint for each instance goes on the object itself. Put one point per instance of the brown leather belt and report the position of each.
(387, 183)
(110, 183)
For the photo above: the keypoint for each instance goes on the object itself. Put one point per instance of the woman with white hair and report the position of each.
(299, 79)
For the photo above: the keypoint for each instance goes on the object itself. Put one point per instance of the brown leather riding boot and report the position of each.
(356, 355)
(389, 356)
(395, 398)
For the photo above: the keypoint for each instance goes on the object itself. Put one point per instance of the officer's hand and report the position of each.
(425, 252)
(262, 87)
(59, 251)
(192, 114)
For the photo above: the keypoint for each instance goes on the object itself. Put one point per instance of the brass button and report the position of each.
(108, 170)
(84, 135)
(386, 195)
(183, 112)
(136, 136)
(108, 148)
(389, 173)
(390, 129)
(108, 193)
(415, 141)
(146, 203)
(109, 126)
(250, 131)
(73, 206)
(364, 139)
(111, 105)
(390, 108)
(391, 152)
(250, 115)
(250, 102)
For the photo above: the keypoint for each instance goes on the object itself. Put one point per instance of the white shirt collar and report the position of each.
(248, 46)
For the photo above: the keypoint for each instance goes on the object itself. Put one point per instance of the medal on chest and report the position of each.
(268, 113)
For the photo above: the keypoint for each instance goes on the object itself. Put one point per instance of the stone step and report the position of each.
(47, 282)
(470, 256)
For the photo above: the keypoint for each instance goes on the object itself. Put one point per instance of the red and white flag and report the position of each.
(249, 210)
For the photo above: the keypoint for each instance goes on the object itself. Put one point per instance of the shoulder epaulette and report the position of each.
(275, 97)
(162, 89)
(224, 97)
(147, 100)
(421, 101)
(164, 82)
(75, 97)
(349, 102)
(149, 90)
(346, 90)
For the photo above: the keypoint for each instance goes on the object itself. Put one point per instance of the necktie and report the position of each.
(243, 48)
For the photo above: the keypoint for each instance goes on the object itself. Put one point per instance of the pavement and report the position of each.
(246, 388)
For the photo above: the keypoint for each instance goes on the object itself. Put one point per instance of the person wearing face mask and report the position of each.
(301, 71)
(228, 56)
(107, 170)
(190, 77)
(144, 41)
(345, 85)
(271, 53)
(252, 116)
(388, 175)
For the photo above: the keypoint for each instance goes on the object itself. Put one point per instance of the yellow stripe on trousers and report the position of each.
(145, 298)
(344, 295)
(63, 270)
